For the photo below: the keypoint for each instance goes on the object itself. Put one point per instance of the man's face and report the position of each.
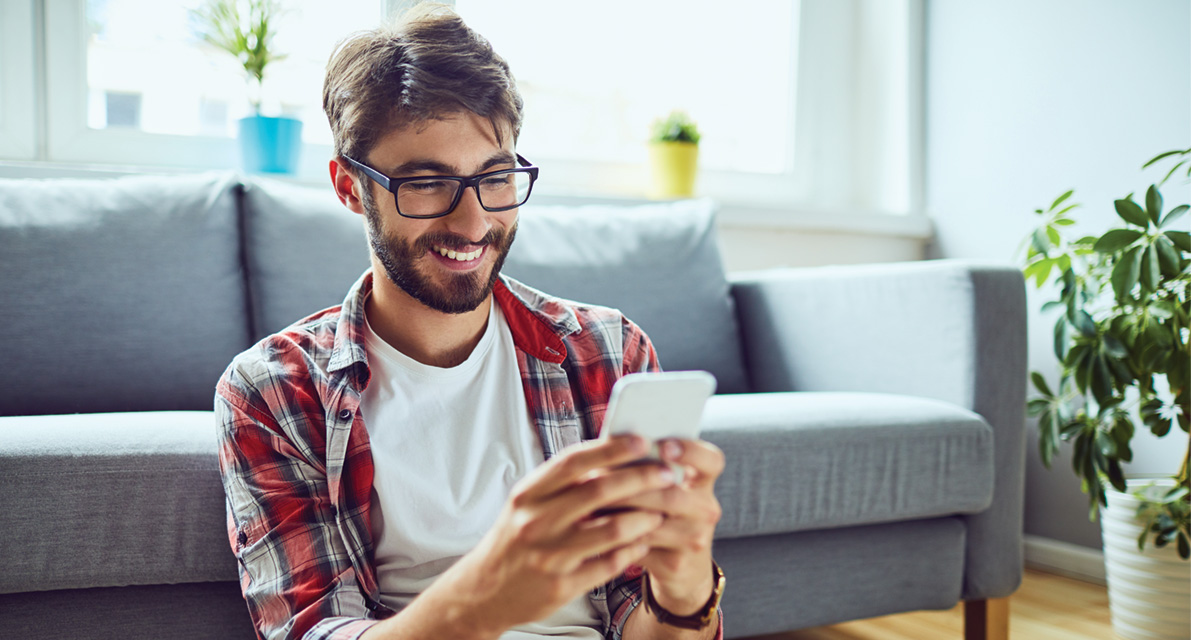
(416, 254)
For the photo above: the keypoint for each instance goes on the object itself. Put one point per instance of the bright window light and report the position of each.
(148, 69)
(594, 75)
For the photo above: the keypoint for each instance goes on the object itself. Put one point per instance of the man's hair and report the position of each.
(426, 66)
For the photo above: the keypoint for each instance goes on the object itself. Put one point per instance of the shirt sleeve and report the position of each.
(295, 573)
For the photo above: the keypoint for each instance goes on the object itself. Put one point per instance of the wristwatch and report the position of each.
(697, 620)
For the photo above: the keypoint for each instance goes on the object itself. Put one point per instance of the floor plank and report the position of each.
(1046, 607)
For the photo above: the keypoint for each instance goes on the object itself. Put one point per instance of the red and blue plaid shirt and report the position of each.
(297, 468)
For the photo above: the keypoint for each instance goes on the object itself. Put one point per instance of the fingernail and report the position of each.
(667, 475)
(672, 450)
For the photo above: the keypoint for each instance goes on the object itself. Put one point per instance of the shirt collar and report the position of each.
(538, 322)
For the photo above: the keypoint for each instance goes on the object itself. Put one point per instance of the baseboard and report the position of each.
(1064, 558)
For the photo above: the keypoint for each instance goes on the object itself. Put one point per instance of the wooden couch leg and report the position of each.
(986, 619)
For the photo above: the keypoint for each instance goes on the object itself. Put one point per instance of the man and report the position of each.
(409, 465)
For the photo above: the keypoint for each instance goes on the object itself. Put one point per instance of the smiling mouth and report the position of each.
(459, 256)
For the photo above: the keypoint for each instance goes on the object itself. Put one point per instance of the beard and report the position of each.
(462, 292)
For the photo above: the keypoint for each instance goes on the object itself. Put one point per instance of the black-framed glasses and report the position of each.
(436, 196)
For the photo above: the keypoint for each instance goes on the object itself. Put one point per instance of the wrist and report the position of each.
(686, 601)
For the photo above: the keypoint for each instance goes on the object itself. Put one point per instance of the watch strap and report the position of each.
(702, 618)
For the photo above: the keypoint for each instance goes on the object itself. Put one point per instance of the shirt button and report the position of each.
(345, 415)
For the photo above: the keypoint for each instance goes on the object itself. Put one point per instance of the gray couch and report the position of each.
(872, 416)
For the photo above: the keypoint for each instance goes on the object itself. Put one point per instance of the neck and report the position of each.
(431, 337)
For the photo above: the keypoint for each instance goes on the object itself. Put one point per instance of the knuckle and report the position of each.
(714, 512)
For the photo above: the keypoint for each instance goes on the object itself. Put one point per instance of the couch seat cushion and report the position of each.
(815, 460)
(115, 499)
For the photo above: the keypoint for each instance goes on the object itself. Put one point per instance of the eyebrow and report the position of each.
(439, 168)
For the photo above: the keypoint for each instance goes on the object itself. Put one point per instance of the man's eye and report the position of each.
(427, 186)
(496, 182)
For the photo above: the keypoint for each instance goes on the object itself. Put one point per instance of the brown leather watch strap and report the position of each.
(698, 620)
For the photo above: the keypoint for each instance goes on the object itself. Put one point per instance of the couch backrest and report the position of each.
(118, 295)
(134, 293)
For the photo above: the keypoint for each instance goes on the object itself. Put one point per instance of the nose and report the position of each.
(469, 219)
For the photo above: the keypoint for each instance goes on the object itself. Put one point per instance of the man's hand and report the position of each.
(679, 560)
(548, 546)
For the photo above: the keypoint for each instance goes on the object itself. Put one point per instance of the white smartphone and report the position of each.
(658, 406)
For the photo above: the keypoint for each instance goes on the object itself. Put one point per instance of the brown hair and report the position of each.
(426, 66)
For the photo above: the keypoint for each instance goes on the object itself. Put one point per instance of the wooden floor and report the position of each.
(1046, 607)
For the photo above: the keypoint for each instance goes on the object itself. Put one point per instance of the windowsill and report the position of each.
(731, 215)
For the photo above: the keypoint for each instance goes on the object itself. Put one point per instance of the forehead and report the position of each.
(461, 140)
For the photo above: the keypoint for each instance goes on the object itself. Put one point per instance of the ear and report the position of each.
(346, 185)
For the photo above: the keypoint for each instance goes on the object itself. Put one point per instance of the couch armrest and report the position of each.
(949, 330)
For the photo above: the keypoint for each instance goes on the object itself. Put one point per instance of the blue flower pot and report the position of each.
(270, 145)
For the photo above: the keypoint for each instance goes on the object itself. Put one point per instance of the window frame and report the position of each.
(18, 88)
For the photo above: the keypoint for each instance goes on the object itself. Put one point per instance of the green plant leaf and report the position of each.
(1165, 154)
(1181, 239)
(1102, 379)
(1062, 337)
(1125, 273)
(1113, 347)
(1053, 235)
(1064, 222)
(1039, 270)
(1084, 323)
(1168, 256)
(1174, 214)
(1154, 203)
(1172, 170)
(1116, 239)
(1040, 240)
(1150, 270)
(1130, 212)
(1040, 384)
(1059, 200)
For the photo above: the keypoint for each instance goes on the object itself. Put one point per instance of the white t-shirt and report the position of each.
(448, 444)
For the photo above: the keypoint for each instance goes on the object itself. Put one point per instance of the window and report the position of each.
(809, 105)
(132, 81)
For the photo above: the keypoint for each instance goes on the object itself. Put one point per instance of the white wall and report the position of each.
(1029, 98)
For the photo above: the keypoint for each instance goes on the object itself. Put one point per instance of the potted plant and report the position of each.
(674, 156)
(1125, 365)
(245, 29)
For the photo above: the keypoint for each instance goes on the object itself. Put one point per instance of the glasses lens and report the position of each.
(429, 197)
(505, 189)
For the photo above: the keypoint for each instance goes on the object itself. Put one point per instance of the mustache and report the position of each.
(456, 241)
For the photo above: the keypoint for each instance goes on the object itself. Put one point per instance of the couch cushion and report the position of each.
(112, 499)
(658, 263)
(123, 294)
(803, 461)
(305, 250)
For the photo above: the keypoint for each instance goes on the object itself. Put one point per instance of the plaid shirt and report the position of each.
(297, 468)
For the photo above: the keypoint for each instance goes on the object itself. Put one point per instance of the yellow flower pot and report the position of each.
(672, 167)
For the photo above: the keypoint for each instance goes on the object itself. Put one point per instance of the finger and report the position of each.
(572, 464)
(604, 490)
(681, 535)
(706, 459)
(600, 569)
(674, 502)
(608, 533)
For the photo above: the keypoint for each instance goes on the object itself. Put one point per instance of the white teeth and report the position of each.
(459, 256)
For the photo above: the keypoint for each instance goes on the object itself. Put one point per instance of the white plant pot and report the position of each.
(1149, 592)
